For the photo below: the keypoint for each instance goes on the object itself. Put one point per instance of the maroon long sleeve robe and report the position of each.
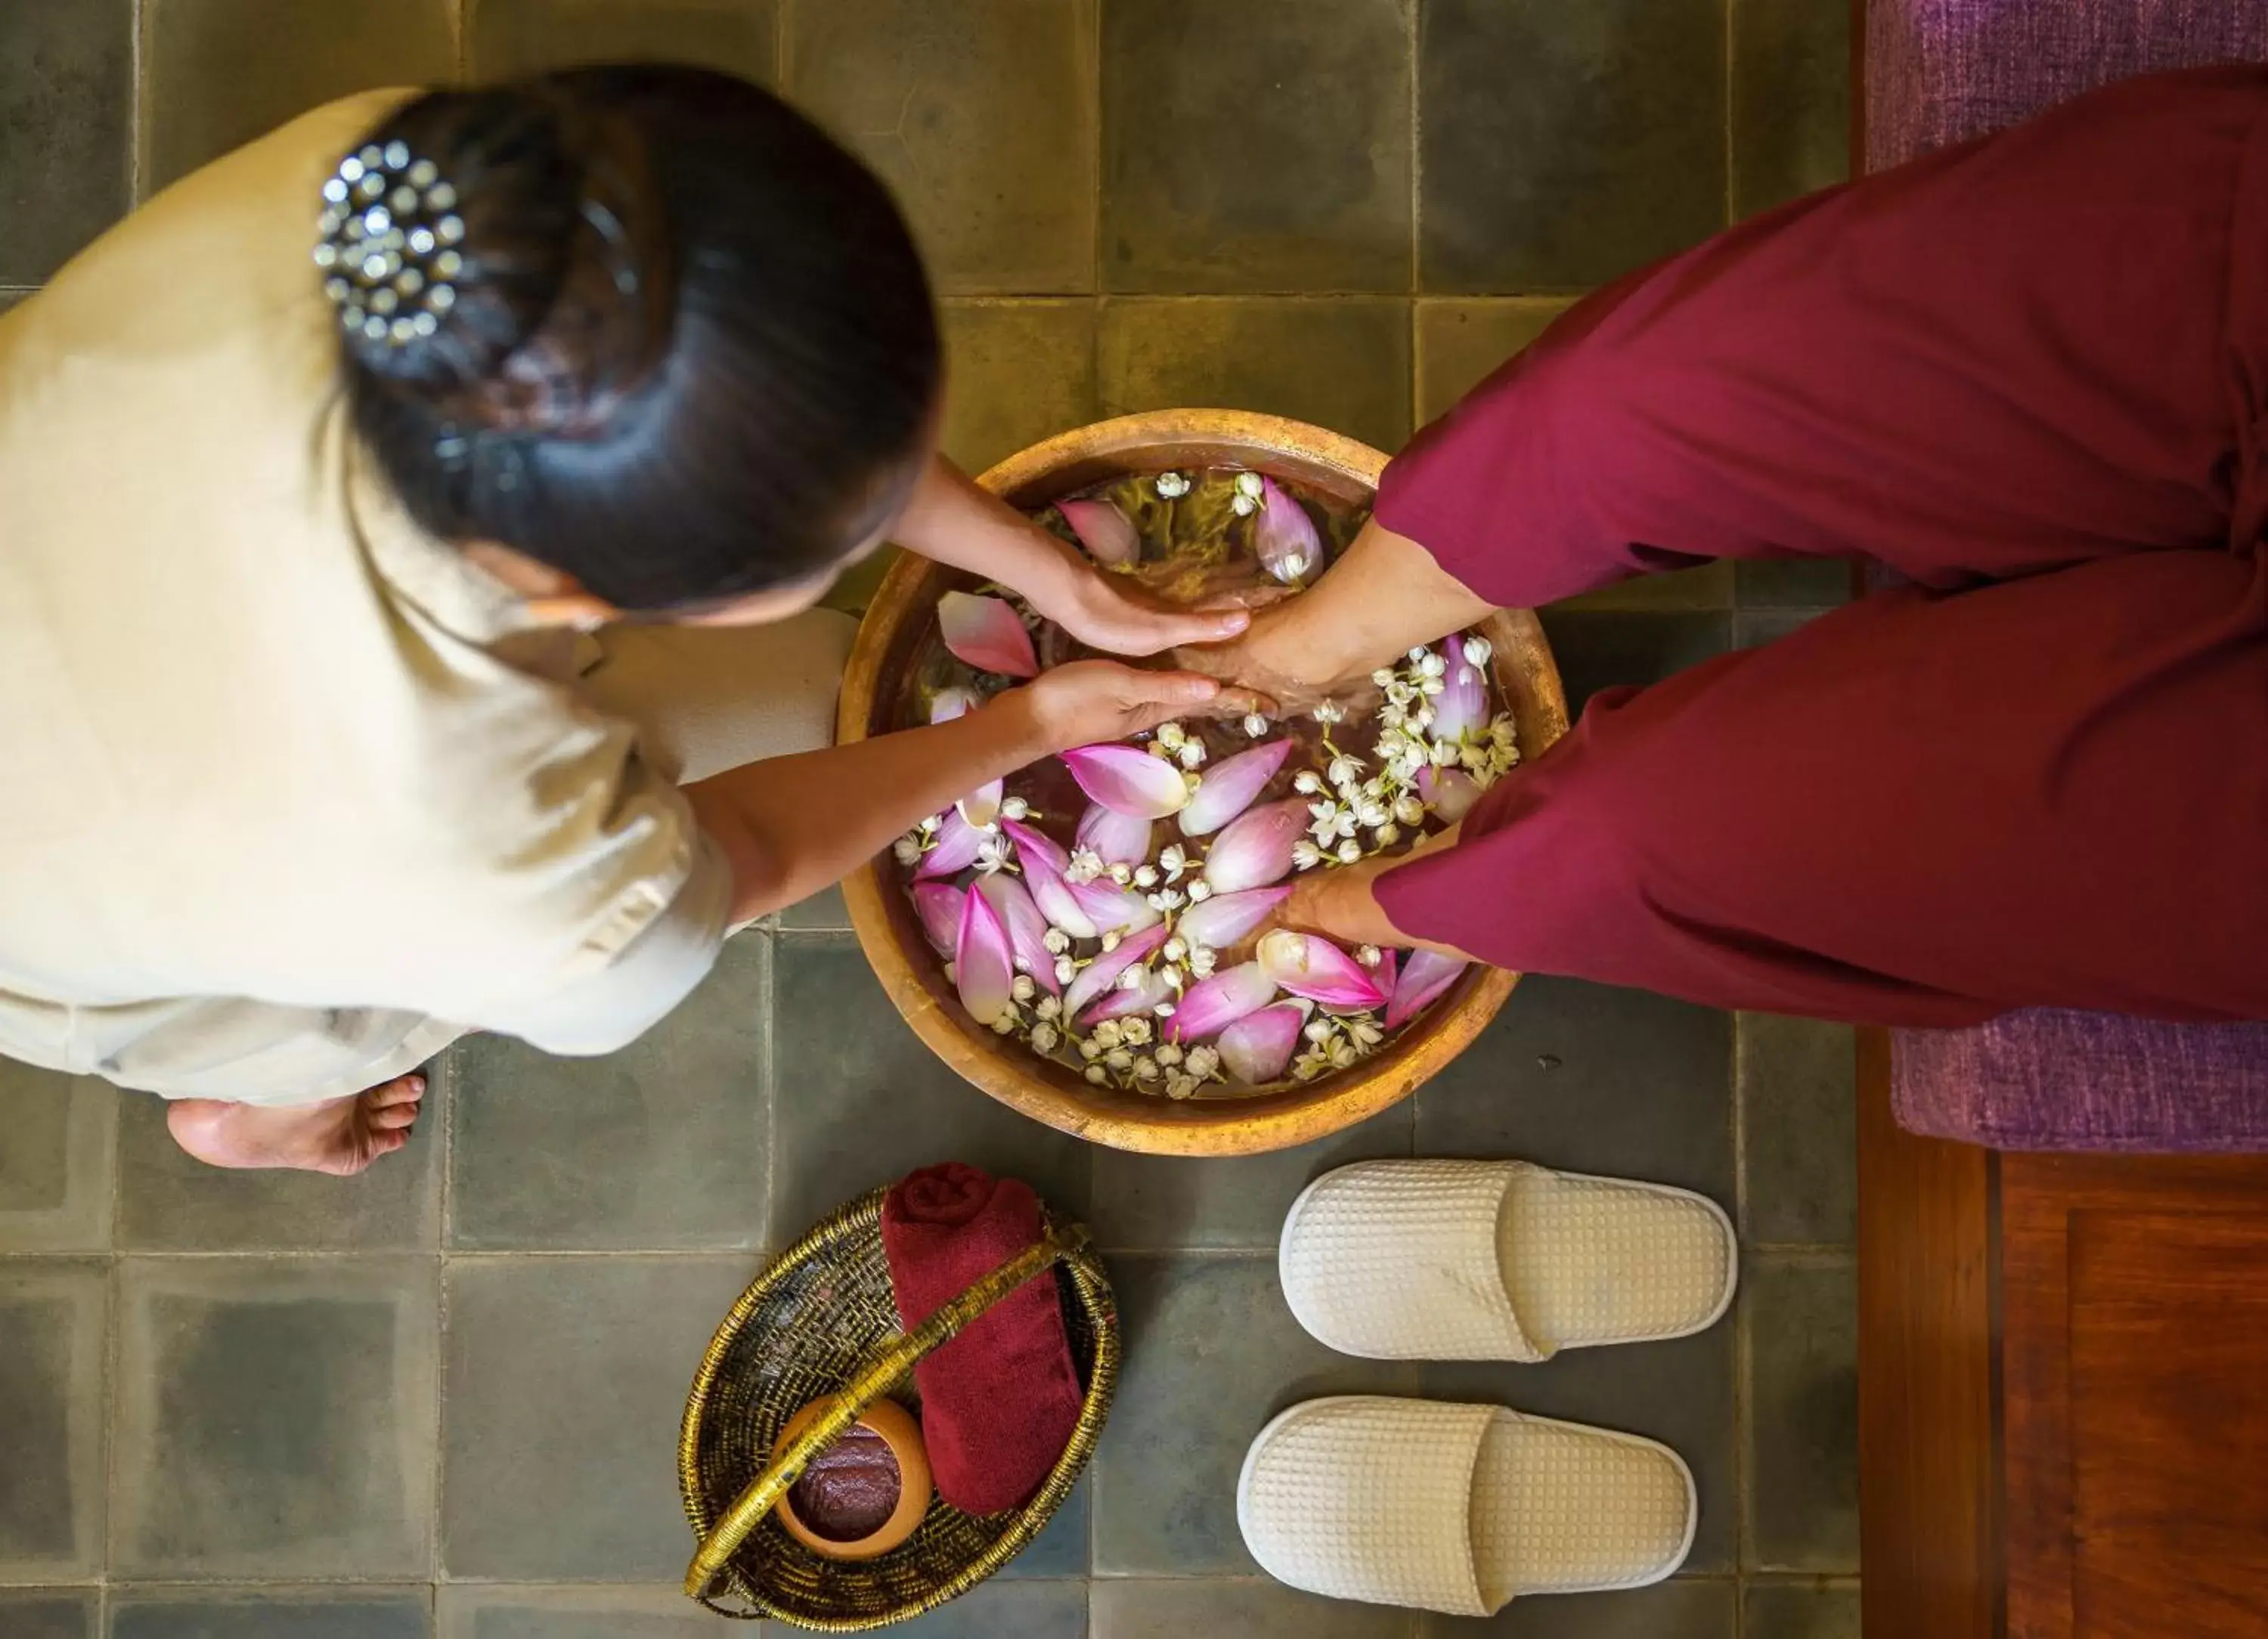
(2029, 374)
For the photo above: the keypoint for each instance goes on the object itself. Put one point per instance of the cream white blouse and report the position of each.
(289, 795)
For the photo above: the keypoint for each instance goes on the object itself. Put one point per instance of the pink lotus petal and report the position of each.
(1028, 929)
(1107, 533)
(1255, 848)
(986, 633)
(1228, 918)
(1257, 1049)
(1057, 902)
(981, 806)
(1231, 786)
(1116, 838)
(1424, 975)
(1112, 908)
(1033, 843)
(950, 704)
(1285, 537)
(1319, 970)
(1209, 1008)
(957, 843)
(984, 966)
(1102, 972)
(1121, 1002)
(1448, 793)
(1127, 780)
(937, 904)
(1462, 707)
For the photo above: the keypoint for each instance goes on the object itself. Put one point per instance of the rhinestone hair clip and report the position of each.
(388, 248)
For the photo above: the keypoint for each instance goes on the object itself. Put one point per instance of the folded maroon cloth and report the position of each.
(1001, 1402)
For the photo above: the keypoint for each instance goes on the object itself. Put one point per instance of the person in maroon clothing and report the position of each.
(2028, 375)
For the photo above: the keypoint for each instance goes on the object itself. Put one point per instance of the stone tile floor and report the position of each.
(441, 1400)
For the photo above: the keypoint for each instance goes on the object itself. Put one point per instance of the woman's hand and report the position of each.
(1093, 701)
(1123, 617)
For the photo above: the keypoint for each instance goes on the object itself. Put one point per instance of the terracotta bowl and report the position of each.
(903, 612)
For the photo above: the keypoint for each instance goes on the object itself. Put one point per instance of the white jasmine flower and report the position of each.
(1330, 711)
(1006, 1024)
(1192, 753)
(1044, 1037)
(1375, 814)
(1244, 505)
(1478, 650)
(1417, 655)
(1096, 1074)
(929, 825)
(1200, 889)
(1105, 1033)
(1049, 1007)
(1343, 1054)
(1119, 1059)
(1110, 941)
(1294, 566)
(1090, 1049)
(1134, 1031)
(1144, 877)
(1369, 955)
(1320, 1031)
(1203, 1061)
(907, 850)
(1145, 1070)
(1202, 961)
(1306, 856)
(1345, 770)
(1445, 755)
(1169, 1054)
(1248, 486)
(1473, 757)
(992, 855)
(952, 974)
(1174, 977)
(1350, 852)
(1366, 1033)
(1056, 941)
(1408, 809)
(1135, 977)
(1172, 485)
(1383, 677)
(1306, 783)
(1170, 735)
(1432, 686)
(1172, 861)
(1432, 666)
(1067, 970)
(1164, 1009)
(1015, 808)
(1158, 749)
(1175, 949)
(1023, 989)
(1122, 874)
(1310, 1065)
(1422, 718)
(1166, 900)
(1180, 1086)
(1085, 865)
(1255, 726)
(1376, 789)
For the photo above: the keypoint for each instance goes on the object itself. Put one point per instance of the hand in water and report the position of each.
(1120, 616)
(1092, 700)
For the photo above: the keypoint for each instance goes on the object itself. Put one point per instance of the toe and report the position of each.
(393, 1118)
(402, 1091)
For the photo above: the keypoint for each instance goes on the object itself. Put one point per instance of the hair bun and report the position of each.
(501, 254)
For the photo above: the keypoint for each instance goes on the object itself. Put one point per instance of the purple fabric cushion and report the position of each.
(1941, 72)
(2050, 1080)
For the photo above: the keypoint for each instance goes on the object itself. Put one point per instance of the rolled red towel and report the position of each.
(1001, 1402)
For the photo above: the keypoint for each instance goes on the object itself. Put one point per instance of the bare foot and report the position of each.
(340, 1136)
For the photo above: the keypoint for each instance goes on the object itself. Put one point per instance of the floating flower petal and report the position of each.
(1116, 838)
(1462, 707)
(1056, 899)
(986, 633)
(1227, 919)
(1122, 1002)
(1113, 910)
(937, 904)
(984, 965)
(1101, 975)
(1319, 970)
(1255, 849)
(1033, 843)
(1027, 928)
(1233, 785)
(1257, 1049)
(1285, 537)
(958, 843)
(1127, 780)
(1424, 975)
(1449, 793)
(981, 806)
(1107, 533)
(1219, 1001)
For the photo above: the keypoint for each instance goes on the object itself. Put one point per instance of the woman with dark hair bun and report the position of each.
(412, 527)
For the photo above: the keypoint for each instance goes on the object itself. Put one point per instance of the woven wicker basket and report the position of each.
(822, 1321)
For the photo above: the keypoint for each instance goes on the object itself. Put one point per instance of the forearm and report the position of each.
(1384, 597)
(953, 520)
(791, 826)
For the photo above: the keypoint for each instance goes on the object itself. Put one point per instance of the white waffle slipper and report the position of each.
(1459, 1509)
(1501, 1260)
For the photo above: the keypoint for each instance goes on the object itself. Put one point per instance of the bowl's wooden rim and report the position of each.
(885, 924)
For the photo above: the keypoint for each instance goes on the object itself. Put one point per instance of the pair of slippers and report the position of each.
(1462, 1509)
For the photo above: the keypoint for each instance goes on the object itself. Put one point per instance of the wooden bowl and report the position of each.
(901, 615)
